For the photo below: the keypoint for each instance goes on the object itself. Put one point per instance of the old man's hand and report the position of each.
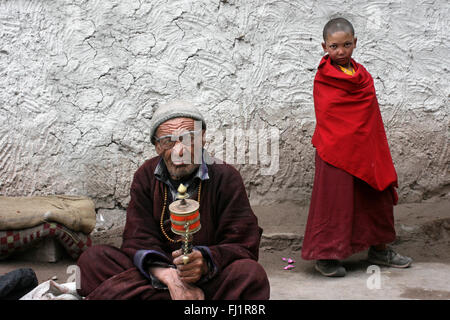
(178, 289)
(194, 269)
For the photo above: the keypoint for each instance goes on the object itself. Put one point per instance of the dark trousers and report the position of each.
(108, 273)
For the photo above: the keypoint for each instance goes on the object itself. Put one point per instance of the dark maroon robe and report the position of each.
(353, 194)
(229, 230)
(346, 215)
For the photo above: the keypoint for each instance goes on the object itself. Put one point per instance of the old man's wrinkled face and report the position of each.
(180, 143)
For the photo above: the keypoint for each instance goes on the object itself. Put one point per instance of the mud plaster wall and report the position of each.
(79, 81)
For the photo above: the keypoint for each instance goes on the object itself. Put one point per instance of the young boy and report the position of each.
(353, 194)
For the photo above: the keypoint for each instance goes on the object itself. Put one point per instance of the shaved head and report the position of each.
(335, 25)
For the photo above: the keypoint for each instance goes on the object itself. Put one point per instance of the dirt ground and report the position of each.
(423, 233)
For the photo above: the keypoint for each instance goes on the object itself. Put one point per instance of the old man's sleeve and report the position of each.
(237, 234)
(142, 236)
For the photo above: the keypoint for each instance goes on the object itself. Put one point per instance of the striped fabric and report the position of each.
(18, 240)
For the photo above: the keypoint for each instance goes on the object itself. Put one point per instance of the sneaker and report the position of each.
(330, 268)
(388, 258)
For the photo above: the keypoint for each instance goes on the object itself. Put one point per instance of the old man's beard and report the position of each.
(178, 172)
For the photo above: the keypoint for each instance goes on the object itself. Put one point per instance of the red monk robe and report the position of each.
(229, 231)
(353, 195)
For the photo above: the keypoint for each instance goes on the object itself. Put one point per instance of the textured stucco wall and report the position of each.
(79, 81)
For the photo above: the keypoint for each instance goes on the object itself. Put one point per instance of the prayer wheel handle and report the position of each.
(182, 196)
(185, 219)
(186, 245)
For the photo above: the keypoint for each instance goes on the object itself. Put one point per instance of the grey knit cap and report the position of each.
(174, 109)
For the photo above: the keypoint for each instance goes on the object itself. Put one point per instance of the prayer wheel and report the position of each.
(185, 219)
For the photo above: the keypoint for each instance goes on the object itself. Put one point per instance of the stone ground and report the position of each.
(423, 233)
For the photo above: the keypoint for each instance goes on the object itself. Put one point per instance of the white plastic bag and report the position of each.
(50, 290)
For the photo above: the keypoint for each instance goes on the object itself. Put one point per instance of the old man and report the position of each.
(149, 265)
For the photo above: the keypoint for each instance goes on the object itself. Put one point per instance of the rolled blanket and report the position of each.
(18, 240)
(76, 213)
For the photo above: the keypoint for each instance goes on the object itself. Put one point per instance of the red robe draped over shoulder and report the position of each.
(353, 194)
(349, 132)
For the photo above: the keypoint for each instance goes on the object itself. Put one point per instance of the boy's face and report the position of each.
(339, 47)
